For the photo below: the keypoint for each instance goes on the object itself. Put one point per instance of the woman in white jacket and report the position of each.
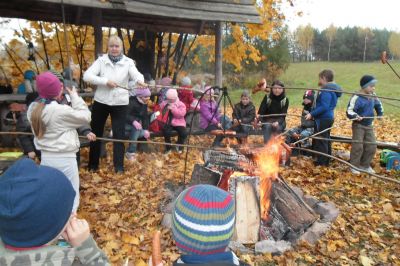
(111, 73)
(54, 126)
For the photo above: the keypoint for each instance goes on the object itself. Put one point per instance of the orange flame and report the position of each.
(268, 166)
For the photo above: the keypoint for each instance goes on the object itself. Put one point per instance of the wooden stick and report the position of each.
(349, 164)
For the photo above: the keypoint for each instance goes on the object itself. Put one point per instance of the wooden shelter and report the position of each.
(180, 16)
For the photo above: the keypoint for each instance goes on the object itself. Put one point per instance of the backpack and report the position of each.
(283, 102)
(390, 159)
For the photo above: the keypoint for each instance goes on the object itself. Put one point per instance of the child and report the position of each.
(23, 125)
(274, 103)
(361, 106)
(35, 209)
(176, 120)
(137, 119)
(244, 113)
(203, 220)
(164, 83)
(323, 114)
(186, 96)
(306, 128)
(54, 126)
(210, 117)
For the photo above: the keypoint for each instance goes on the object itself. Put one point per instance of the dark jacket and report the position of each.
(25, 141)
(304, 122)
(272, 104)
(326, 101)
(137, 111)
(364, 107)
(6, 89)
(245, 113)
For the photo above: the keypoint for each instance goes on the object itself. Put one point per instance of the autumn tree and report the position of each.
(305, 37)
(366, 34)
(394, 44)
(330, 34)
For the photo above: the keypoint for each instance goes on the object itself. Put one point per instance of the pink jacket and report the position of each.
(178, 113)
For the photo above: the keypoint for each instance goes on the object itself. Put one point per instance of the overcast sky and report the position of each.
(366, 13)
(319, 13)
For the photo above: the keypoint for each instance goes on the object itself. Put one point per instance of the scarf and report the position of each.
(44, 100)
(115, 59)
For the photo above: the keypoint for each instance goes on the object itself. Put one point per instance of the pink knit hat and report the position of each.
(49, 86)
(171, 94)
(143, 92)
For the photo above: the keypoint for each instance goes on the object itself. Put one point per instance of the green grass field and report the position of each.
(347, 75)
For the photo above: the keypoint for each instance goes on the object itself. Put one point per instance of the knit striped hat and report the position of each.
(203, 220)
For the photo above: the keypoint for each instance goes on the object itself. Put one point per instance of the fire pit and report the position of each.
(269, 213)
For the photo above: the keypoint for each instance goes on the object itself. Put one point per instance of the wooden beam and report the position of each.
(218, 54)
(98, 33)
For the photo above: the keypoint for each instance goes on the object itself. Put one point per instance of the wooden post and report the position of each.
(218, 54)
(97, 21)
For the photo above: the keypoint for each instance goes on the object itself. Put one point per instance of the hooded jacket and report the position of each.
(178, 112)
(245, 113)
(272, 104)
(137, 111)
(326, 101)
(362, 106)
(209, 113)
(61, 138)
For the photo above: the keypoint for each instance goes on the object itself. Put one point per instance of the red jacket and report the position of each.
(186, 96)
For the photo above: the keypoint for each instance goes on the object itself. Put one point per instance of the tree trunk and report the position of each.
(166, 73)
(44, 46)
(59, 46)
(142, 50)
(329, 50)
(218, 54)
(365, 48)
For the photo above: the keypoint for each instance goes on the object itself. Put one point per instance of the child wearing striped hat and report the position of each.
(203, 221)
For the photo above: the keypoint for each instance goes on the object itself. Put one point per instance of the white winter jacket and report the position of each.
(103, 70)
(61, 138)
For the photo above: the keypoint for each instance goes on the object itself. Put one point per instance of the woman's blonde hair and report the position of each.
(114, 38)
(38, 126)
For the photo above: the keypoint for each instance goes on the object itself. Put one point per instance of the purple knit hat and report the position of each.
(166, 81)
(143, 92)
(49, 86)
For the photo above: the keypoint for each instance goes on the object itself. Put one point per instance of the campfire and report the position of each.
(266, 207)
(268, 210)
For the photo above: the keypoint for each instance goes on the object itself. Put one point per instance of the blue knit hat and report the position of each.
(367, 80)
(203, 220)
(35, 204)
(29, 74)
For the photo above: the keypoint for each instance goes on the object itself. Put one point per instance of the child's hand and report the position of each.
(170, 106)
(146, 134)
(219, 125)
(76, 232)
(142, 84)
(32, 155)
(137, 125)
(359, 118)
(71, 91)
(275, 124)
(91, 136)
(308, 117)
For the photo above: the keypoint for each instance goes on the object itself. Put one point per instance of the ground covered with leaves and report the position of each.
(124, 210)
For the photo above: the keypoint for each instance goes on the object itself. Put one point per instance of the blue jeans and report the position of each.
(134, 134)
(269, 130)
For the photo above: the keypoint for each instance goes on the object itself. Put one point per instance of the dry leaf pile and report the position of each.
(123, 210)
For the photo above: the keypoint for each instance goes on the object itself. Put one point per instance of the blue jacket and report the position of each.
(364, 107)
(326, 101)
